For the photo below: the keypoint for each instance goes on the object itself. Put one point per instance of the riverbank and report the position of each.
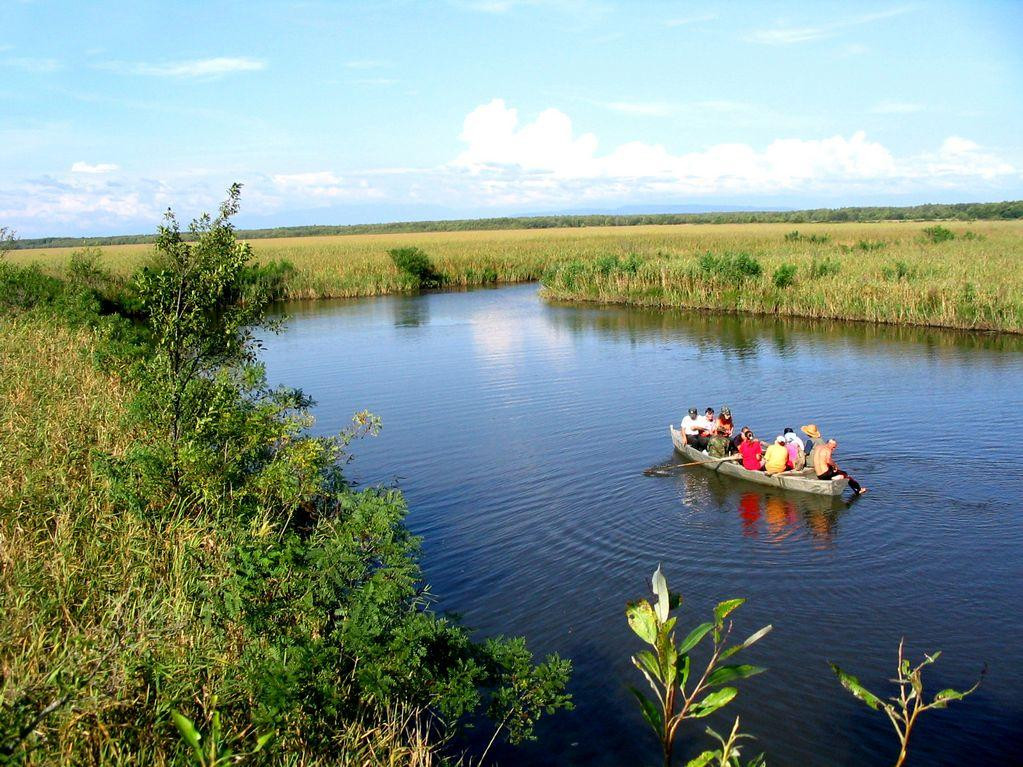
(959, 275)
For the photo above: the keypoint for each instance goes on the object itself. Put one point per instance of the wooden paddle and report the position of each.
(671, 467)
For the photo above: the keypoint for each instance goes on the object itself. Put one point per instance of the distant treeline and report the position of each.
(967, 211)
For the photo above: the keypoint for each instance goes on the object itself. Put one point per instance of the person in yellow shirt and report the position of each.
(776, 456)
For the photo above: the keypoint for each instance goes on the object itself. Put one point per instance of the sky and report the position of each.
(345, 112)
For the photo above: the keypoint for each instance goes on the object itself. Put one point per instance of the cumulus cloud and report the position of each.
(214, 67)
(101, 167)
(496, 142)
(510, 163)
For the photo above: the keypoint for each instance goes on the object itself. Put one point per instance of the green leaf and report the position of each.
(261, 741)
(646, 661)
(724, 674)
(713, 702)
(752, 639)
(682, 669)
(642, 620)
(650, 712)
(724, 609)
(660, 585)
(942, 699)
(188, 732)
(694, 637)
(703, 759)
(852, 684)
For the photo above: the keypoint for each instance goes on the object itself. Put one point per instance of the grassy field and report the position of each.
(880, 272)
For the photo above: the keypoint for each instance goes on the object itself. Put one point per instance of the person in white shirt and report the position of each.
(692, 427)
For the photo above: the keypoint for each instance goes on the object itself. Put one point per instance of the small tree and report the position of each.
(7, 237)
(202, 312)
(904, 708)
(667, 668)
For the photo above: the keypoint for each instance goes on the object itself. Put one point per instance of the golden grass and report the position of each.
(990, 264)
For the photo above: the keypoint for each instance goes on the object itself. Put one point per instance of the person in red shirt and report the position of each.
(751, 450)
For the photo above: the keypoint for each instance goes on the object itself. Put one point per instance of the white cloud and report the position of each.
(102, 167)
(892, 107)
(215, 67)
(496, 142)
(784, 34)
(38, 66)
(323, 185)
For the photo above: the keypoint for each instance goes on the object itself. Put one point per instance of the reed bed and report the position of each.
(891, 272)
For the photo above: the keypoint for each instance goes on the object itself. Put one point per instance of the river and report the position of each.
(519, 430)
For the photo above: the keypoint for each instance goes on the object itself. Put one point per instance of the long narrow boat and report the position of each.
(804, 481)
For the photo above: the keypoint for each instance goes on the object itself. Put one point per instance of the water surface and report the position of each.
(519, 431)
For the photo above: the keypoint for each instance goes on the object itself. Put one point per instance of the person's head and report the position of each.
(726, 411)
(832, 443)
(693, 412)
(787, 430)
(746, 432)
(810, 430)
(779, 440)
(789, 436)
(709, 413)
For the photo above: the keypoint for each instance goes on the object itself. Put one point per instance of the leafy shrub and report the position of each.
(795, 236)
(824, 267)
(679, 694)
(898, 271)
(938, 233)
(869, 245)
(608, 265)
(730, 267)
(416, 264)
(971, 235)
(784, 276)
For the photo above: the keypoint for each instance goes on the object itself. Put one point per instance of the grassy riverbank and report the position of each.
(173, 543)
(881, 272)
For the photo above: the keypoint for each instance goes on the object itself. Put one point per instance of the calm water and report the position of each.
(519, 431)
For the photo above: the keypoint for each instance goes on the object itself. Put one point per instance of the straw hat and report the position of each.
(810, 430)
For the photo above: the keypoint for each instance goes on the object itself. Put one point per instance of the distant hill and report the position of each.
(967, 211)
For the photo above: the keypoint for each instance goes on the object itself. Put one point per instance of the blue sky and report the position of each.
(343, 112)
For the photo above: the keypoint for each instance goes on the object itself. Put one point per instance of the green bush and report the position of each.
(795, 236)
(784, 276)
(938, 233)
(416, 264)
(898, 271)
(869, 245)
(824, 267)
(730, 267)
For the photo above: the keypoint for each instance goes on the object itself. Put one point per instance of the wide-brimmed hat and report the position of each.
(810, 430)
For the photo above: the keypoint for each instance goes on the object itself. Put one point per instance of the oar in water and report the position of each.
(664, 470)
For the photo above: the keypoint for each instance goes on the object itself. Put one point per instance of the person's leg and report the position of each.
(829, 474)
(853, 484)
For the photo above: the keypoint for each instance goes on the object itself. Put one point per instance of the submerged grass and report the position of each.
(971, 279)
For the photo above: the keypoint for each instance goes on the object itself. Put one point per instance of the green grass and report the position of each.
(842, 271)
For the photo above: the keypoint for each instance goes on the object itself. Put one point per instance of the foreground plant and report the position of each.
(904, 708)
(668, 667)
(730, 752)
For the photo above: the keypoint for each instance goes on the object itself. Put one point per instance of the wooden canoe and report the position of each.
(804, 481)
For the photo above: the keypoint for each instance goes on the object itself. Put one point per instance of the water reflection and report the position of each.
(775, 519)
(746, 336)
(410, 311)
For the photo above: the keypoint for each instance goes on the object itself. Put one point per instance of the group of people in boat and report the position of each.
(716, 436)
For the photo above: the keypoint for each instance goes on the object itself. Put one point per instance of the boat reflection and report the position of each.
(775, 518)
